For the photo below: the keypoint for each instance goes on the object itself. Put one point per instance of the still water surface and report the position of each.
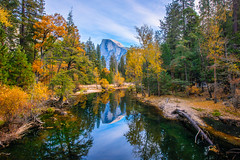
(109, 127)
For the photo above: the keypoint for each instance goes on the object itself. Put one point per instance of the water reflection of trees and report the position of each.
(66, 137)
(155, 138)
(70, 139)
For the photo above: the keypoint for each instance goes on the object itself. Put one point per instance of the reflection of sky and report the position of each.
(110, 142)
(107, 116)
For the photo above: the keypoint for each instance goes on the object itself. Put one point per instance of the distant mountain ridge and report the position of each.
(109, 47)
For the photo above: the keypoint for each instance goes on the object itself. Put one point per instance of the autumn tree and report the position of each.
(104, 84)
(48, 29)
(145, 37)
(155, 62)
(213, 43)
(118, 79)
(96, 76)
(134, 62)
(106, 74)
(4, 18)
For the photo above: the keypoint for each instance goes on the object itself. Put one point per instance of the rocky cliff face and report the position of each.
(109, 47)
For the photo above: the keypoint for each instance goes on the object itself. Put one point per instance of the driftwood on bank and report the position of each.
(181, 113)
(7, 138)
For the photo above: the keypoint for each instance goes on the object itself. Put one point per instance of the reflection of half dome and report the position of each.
(112, 117)
(117, 119)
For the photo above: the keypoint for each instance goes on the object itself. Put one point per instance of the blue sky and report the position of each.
(110, 19)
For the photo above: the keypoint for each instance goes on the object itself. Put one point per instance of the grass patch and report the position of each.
(1, 123)
(198, 109)
(235, 113)
(216, 113)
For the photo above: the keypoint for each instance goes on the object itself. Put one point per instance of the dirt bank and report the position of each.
(87, 89)
(197, 108)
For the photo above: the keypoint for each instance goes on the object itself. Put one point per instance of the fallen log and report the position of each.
(194, 124)
(7, 138)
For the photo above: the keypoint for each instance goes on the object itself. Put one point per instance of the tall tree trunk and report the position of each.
(60, 99)
(59, 66)
(184, 19)
(235, 30)
(148, 85)
(158, 82)
(186, 72)
(22, 30)
(235, 16)
(41, 53)
(143, 94)
(69, 65)
(215, 82)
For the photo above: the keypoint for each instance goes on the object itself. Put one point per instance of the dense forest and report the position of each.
(195, 50)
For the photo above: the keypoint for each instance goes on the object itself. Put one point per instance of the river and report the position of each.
(109, 127)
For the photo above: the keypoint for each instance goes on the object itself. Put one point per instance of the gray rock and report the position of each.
(109, 47)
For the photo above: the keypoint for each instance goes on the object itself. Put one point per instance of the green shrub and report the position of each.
(216, 113)
(50, 110)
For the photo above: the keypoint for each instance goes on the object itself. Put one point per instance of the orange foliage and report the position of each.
(13, 102)
(37, 66)
(105, 71)
(49, 29)
(45, 72)
(192, 90)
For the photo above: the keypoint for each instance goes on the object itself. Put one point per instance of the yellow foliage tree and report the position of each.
(104, 84)
(96, 76)
(13, 102)
(118, 79)
(4, 17)
(134, 65)
(214, 46)
(39, 94)
(155, 61)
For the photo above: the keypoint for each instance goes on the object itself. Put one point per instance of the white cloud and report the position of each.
(113, 19)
